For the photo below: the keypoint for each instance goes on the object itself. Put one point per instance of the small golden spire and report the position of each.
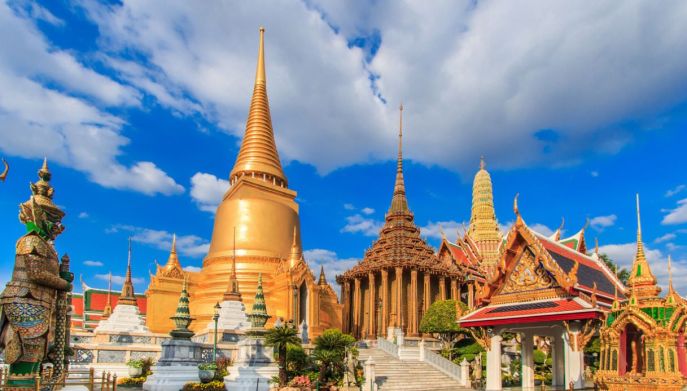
(128, 296)
(482, 164)
(484, 229)
(258, 155)
(173, 266)
(323, 278)
(670, 274)
(516, 210)
(399, 203)
(107, 311)
(174, 243)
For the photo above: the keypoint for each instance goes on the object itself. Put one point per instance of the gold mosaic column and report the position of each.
(373, 305)
(399, 297)
(454, 289)
(413, 303)
(426, 293)
(356, 307)
(471, 295)
(385, 300)
(442, 287)
(346, 306)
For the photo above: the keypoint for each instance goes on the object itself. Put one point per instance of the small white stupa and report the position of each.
(125, 318)
(232, 311)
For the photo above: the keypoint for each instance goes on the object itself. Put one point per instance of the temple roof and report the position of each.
(530, 312)
(258, 154)
(399, 243)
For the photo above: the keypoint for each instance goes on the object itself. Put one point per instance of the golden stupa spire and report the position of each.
(399, 203)
(107, 311)
(232, 293)
(258, 156)
(323, 278)
(128, 297)
(173, 266)
(484, 229)
(641, 278)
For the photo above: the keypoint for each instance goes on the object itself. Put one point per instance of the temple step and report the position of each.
(394, 374)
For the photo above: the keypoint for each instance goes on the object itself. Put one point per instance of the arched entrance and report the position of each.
(634, 349)
(303, 303)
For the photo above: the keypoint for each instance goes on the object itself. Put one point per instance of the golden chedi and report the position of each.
(257, 222)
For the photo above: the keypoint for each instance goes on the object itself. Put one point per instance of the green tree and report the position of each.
(330, 353)
(622, 273)
(440, 320)
(280, 338)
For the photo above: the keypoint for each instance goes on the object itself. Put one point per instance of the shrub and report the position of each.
(132, 381)
(207, 366)
(302, 381)
(148, 363)
(136, 363)
(212, 386)
(222, 364)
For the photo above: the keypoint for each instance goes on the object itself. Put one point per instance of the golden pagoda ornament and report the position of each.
(643, 339)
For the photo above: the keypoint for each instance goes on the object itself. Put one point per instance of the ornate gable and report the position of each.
(527, 275)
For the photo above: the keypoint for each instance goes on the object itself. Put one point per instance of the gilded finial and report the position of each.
(482, 164)
(560, 228)
(128, 296)
(174, 243)
(3, 176)
(596, 246)
(586, 224)
(670, 273)
(515, 205)
(323, 278)
(260, 76)
(399, 203)
(641, 275)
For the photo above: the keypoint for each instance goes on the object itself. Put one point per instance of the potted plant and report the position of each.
(135, 367)
(206, 371)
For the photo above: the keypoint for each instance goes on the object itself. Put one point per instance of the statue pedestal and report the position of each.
(124, 319)
(254, 367)
(177, 366)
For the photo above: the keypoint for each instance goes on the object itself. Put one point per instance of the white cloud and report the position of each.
(541, 228)
(601, 222)
(349, 207)
(92, 263)
(192, 268)
(119, 280)
(207, 191)
(83, 215)
(52, 105)
(675, 190)
(188, 245)
(665, 238)
(450, 228)
(333, 265)
(677, 215)
(594, 174)
(366, 226)
(367, 211)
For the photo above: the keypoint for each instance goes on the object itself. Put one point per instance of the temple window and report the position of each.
(661, 360)
(651, 366)
(614, 360)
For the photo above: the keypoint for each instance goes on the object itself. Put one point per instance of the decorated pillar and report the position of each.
(527, 360)
(372, 330)
(454, 289)
(385, 299)
(574, 358)
(346, 318)
(413, 303)
(557, 362)
(399, 296)
(356, 307)
(471, 295)
(494, 364)
(426, 292)
(442, 287)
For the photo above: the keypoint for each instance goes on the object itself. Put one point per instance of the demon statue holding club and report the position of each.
(33, 321)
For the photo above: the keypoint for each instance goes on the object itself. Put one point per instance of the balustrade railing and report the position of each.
(446, 366)
(387, 346)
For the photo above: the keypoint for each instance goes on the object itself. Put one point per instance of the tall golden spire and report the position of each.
(399, 203)
(128, 297)
(173, 266)
(642, 280)
(484, 229)
(323, 278)
(258, 155)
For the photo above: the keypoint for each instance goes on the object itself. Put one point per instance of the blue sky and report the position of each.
(139, 108)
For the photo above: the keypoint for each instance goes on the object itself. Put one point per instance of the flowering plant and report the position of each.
(302, 381)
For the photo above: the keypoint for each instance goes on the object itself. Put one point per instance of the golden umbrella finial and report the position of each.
(260, 71)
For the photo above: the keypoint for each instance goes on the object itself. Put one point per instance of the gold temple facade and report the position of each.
(256, 224)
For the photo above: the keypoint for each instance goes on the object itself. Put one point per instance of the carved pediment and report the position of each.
(528, 274)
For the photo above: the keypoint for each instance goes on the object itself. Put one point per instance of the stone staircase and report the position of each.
(394, 374)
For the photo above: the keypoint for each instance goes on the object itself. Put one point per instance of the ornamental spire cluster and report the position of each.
(258, 156)
(484, 229)
(642, 281)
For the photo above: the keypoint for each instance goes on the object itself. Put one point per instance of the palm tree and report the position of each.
(330, 351)
(279, 338)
